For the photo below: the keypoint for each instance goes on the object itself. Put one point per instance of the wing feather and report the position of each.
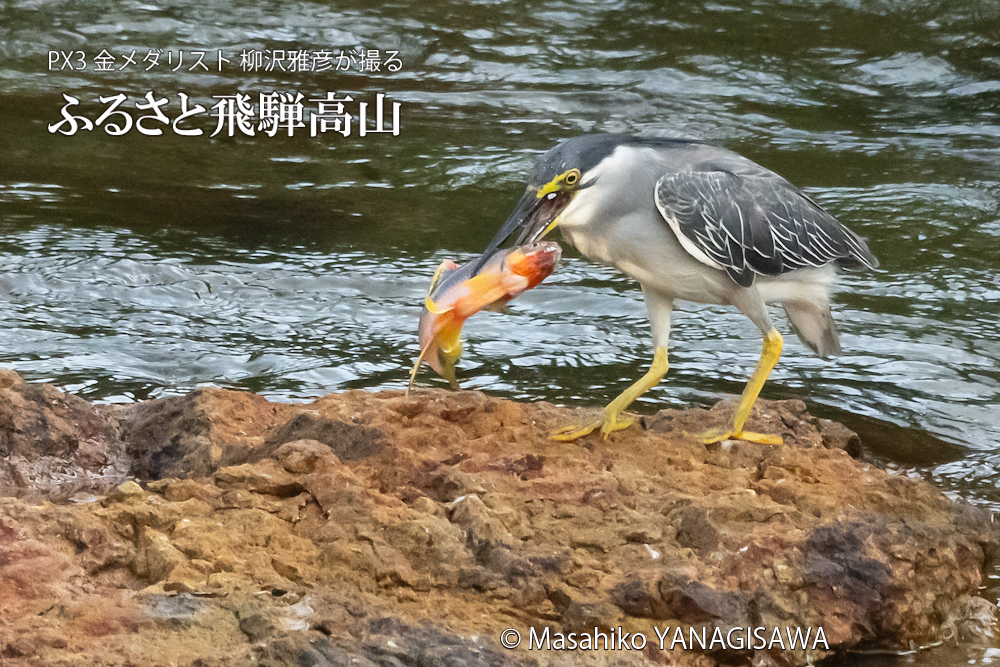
(754, 225)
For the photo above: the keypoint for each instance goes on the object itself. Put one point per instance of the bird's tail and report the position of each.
(814, 326)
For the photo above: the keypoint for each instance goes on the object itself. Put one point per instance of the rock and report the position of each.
(258, 626)
(54, 443)
(348, 441)
(267, 477)
(157, 557)
(696, 603)
(375, 529)
(191, 436)
(696, 530)
(303, 456)
(39, 420)
(127, 491)
(837, 436)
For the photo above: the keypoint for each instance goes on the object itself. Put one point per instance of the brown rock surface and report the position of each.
(372, 529)
(53, 443)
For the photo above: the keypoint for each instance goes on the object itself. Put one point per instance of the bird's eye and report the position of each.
(572, 177)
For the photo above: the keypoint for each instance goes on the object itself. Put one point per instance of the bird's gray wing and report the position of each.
(750, 225)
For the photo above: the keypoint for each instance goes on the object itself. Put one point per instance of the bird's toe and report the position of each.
(719, 434)
(608, 423)
(714, 435)
(759, 438)
(575, 431)
(612, 423)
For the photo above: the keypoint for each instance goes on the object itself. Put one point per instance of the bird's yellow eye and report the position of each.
(572, 176)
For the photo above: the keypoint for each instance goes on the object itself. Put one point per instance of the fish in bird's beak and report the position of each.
(458, 292)
(534, 216)
(438, 327)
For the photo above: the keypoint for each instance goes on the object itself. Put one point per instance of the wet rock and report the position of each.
(836, 435)
(39, 420)
(53, 443)
(374, 529)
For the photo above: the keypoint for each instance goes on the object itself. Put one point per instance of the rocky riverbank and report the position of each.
(219, 529)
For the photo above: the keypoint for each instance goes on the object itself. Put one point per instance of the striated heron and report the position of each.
(693, 221)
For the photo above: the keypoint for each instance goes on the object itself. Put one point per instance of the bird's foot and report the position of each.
(719, 434)
(608, 422)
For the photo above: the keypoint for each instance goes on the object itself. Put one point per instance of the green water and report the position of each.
(139, 266)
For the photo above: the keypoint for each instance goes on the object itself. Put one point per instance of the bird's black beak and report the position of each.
(533, 216)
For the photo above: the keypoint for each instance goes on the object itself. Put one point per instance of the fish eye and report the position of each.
(572, 177)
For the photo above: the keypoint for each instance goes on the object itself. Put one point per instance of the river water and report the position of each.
(137, 266)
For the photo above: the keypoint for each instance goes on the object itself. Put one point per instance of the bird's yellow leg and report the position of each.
(768, 358)
(612, 419)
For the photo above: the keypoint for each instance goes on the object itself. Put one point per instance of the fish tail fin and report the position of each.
(416, 367)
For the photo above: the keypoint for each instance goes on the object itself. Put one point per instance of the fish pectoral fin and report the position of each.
(432, 306)
(440, 273)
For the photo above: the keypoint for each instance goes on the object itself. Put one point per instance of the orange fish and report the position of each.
(456, 294)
